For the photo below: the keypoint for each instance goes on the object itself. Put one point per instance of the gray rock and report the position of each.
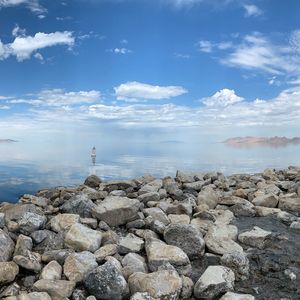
(255, 238)
(11, 290)
(2, 220)
(142, 296)
(38, 201)
(31, 262)
(8, 272)
(130, 243)
(34, 296)
(152, 186)
(78, 265)
(57, 255)
(290, 203)
(267, 200)
(57, 289)
(235, 296)
(46, 240)
(238, 263)
(31, 222)
(117, 211)
(159, 253)
(172, 188)
(186, 237)
(92, 181)
(179, 219)
(119, 185)
(79, 204)
(106, 282)
(208, 197)
(151, 196)
(82, 238)
(79, 294)
(165, 284)
(6, 246)
(106, 250)
(295, 225)
(63, 222)
(215, 281)
(52, 271)
(23, 245)
(187, 288)
(157, 214)
(132, 263)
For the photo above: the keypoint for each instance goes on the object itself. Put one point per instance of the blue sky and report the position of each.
(150, 64)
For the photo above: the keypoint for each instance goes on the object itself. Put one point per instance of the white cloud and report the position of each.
(141, 91)
(205, 46)
(24, 46)
(184, 3)
(222, 98)
(33, 5)
(60, 98)
(119, 50)
(252, 10)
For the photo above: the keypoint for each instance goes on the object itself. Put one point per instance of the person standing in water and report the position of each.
(93, 155)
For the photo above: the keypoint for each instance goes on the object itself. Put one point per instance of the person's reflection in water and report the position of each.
(93, 155)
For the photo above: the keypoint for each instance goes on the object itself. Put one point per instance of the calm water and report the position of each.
(27, 166)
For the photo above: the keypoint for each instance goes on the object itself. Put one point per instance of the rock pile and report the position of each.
(195, 236)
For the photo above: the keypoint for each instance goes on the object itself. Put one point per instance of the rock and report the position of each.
(119, 185)
(187, 177)
(91, 298)
(92, 181)
(38, 201)
(79, 204)
(164, 284)
(46, 240)
(187, 288)
(208, 197)
(142, 296)
(31, 222)
(196, 185)
(186, 237)
(11, 290)
(8, 272)
(106, 250)
(79, 294)
(220, 239)
(78, 265)
(266, 200)
(266, 211)
(295, 225)
(152, 186)
(117, 211)
(151, 196)
(131, 243)
(31, 262)
(132, 263)
(16, 212)
(234, 296)
(179, 219)
(159, 253)
(255, 238)
(58, 255)
(291, 204)
(90, 222)
(23, 245)
(2, 220)
(82, 238)
(57, 289)
(172, 188)
(34, 296)
(215, 281)
(238, 263)
(157, 214)
(106, 282)
(51, 271)
(63, 222)
(243, 209)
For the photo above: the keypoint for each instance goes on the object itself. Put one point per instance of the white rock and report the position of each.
(63, 222)
(51, 271)
(255, 237)
(234, 296)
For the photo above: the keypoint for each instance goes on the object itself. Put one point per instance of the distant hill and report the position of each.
(251, 141)
(7, 141)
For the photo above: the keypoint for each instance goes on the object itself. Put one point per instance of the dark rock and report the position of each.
(92, 181)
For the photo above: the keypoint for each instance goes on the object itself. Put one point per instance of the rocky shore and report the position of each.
(195, 236)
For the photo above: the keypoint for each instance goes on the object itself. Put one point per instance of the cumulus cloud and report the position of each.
(205, 46)
(24, 45)
(33, 5)
(222, 98)
(141, 91)
(60, 98)
(252, 10)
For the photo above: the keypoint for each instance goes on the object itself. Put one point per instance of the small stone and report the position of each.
(82, 238)
(235, 296)
(8, 272)
(165, 284)
(215, 281)
(51, 271)
(187, 288)
(78, 265)
(179, 219)
(255, 237)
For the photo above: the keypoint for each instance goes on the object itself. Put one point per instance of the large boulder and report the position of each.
(31, 222)
(267, 200)
(7, 246)
(290, 203)
(159, 254)
(107, 282)
(82, 238)
(208, 197)
(63, 222)
(117, 211)
(186, 237)
(165, 284)
(92, 181)
(78, 265)
(215, 281)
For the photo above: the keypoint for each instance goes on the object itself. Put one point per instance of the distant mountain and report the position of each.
(7, 141)
(251, 141)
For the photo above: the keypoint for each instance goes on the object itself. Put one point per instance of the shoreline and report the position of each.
(150, 238)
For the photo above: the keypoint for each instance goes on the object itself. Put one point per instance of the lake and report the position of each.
(29, 165)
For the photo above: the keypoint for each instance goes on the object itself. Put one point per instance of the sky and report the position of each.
(222, 66)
